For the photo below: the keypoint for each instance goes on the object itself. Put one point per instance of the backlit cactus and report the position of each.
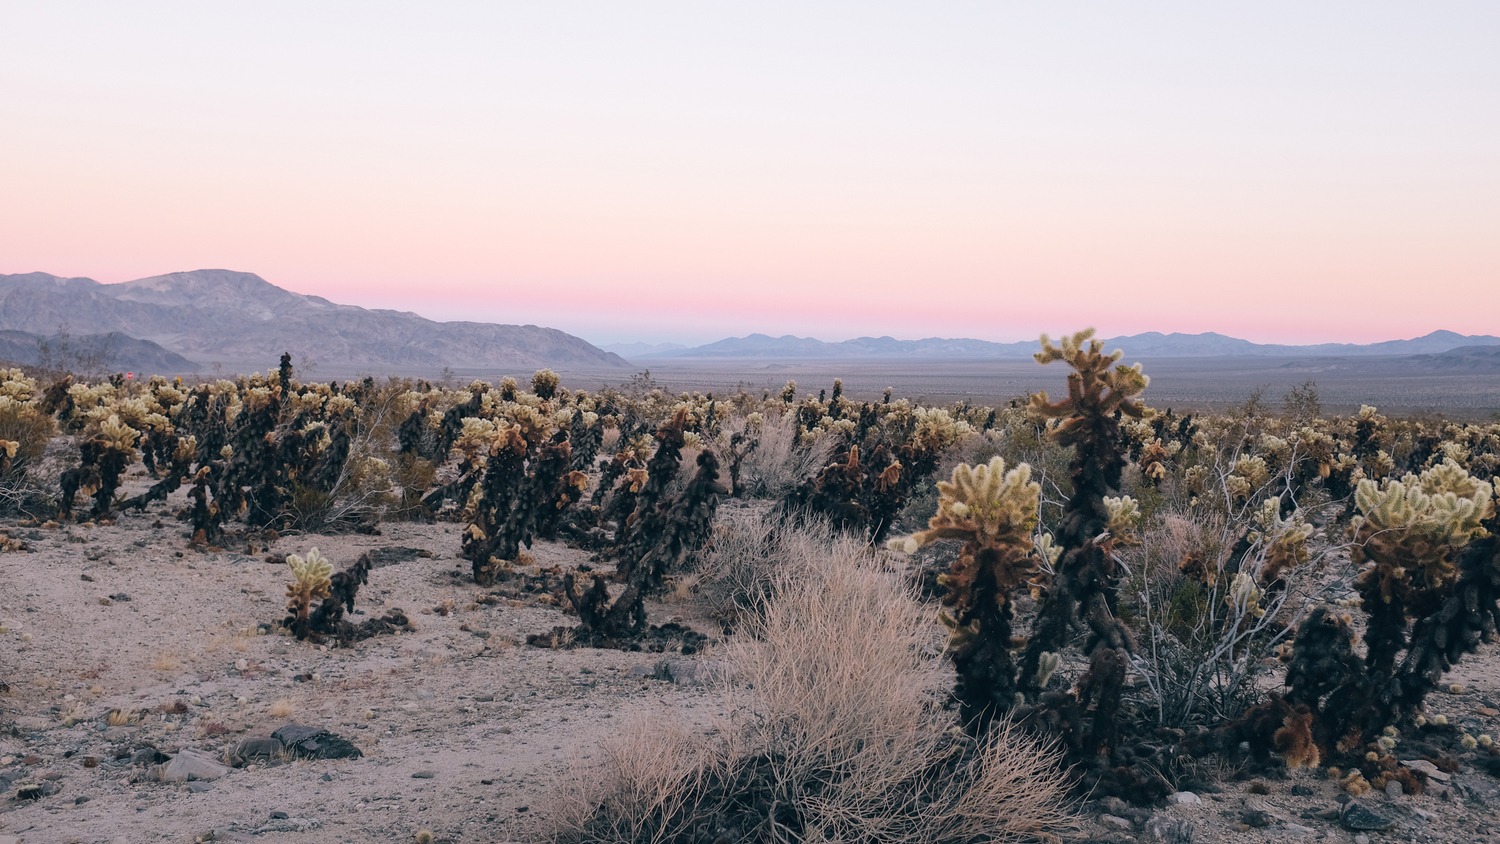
(993, 512)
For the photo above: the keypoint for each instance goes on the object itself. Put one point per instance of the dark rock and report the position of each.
(1300, 790)
(315, 743)
(1113, 806)
(120, 597)
(279, 816)
(1358, 816)
(423, 775)
(148, 756)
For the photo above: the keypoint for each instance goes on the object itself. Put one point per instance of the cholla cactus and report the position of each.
(1409, 530)
(103, 456)
(1094, 389)
(1124, 520)
(1248, 476)
(1283, 541)
(311, 578)
(994, 513)
(544, 384)
(1429, 553)
(1085, 587)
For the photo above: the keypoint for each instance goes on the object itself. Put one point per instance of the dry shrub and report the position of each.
(781, 460)
(741, 566)
(31, 430)
(840, 735)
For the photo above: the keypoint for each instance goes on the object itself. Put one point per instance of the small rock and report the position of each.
(1165, 830)
(1256, 818)
(1116, 822)
(1393, 789)
(1184, 798)
(288, 825)
(1358, 816)
(1300, 790)
(486, 698)
(120, 597)
(279, 816)
(1427, 769)
(1361, 839)
(1298, 830)
(191, 765)
(423, 775)
(197, 787)
(1114, 806)
(260, 749)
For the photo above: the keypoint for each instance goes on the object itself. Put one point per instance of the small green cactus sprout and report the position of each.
(1047, 666)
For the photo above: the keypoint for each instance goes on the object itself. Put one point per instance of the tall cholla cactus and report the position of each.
(312, 577)
(994, 513)
(1086, 585)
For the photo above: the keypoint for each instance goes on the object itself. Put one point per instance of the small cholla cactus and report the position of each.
(1124, 519)
(544, 384)
(1248, 476)
(1283, 540)
(311, 578)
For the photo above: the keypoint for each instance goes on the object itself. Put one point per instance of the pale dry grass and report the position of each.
(780, 462)
(747, 555)
(839, 735)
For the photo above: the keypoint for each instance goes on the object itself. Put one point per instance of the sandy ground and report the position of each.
(461, 724)
(463, 727)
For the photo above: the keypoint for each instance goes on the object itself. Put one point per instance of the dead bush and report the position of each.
(839, 734)
(782, 460)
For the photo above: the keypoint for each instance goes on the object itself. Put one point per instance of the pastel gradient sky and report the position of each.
(1280, 171)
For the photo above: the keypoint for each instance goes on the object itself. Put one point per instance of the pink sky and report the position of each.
(675, 172)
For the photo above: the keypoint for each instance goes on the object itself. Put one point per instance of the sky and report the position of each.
(647, 171)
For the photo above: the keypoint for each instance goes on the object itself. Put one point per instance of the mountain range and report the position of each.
(1151, 344)
(89, 353)
(242, 321)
